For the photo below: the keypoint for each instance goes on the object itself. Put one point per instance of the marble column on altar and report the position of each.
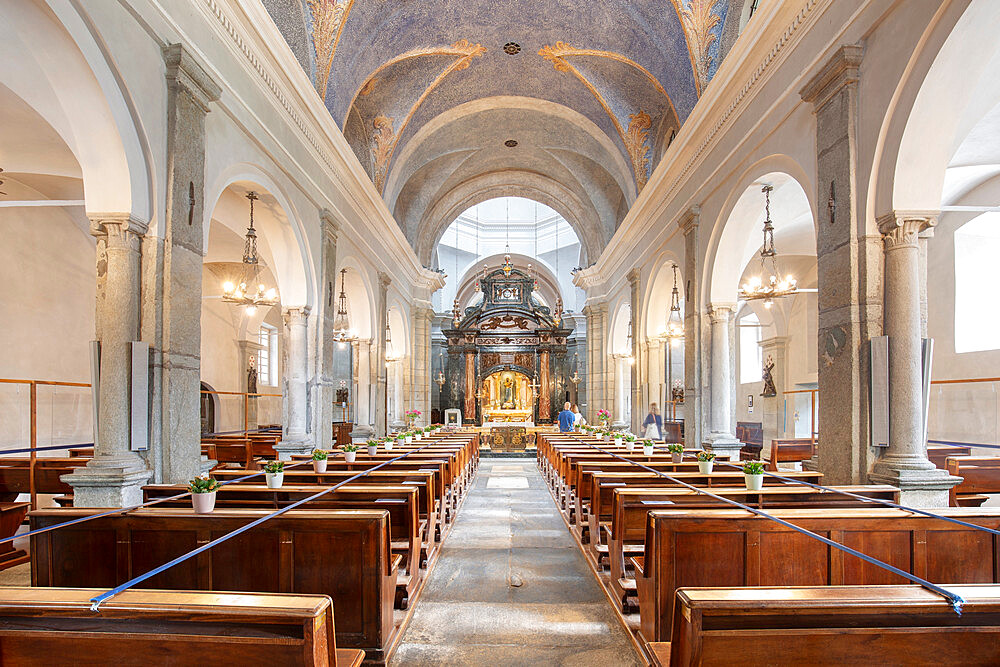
(469, 413)
(544, 393)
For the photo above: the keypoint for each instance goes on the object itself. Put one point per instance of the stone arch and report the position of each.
(360, 296)
(656, 300)
(547, 282)
(74, 85)
(532, 186)
(282, 237)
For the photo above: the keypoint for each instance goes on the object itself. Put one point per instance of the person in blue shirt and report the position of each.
(566, 419)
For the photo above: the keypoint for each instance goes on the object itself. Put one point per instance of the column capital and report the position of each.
(119, 227)
(330, 224)
(900, 229)
(771, 343)
(689, 220)
(840, 70)
(384, 280)
(184, 73)
(721, 312)
(295, 314)
(633, 276)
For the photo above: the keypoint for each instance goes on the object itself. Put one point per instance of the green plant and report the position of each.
(706, 456)
(350, 447)
(675, 448)
(419, 431)
(647, 443)
(373, 443)
(203, 485)
(319, 455)
(274, 466)
(629, 437)
(753, 467)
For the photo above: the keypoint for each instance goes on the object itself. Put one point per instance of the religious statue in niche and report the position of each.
(507, 394)
(768, 378)
(252, 375)
(677, 392)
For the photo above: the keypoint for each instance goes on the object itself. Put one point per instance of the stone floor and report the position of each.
(511, 587)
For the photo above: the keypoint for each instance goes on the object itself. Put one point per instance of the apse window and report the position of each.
(267, 338)
(977, 283)
(751, 359)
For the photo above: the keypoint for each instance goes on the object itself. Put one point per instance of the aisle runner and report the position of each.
(511, 587)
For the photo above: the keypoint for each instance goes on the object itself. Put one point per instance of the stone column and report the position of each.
(638, 360)
(773, 409)
(904, 463)
(722, 438)
(469, 410)
(692, 331)
(544, 390)
(423, 317)
(380, 370)
(849, 263)
(172, 271)
(325, 381)
(295, 436)
(597, 359)
(114, 477)
(361, 376)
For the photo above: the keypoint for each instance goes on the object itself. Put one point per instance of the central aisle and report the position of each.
(511, 587)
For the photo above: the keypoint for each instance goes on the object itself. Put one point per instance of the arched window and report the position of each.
(977, 284)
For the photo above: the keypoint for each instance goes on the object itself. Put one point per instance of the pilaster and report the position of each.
(635, 372)
(325, 380)
(722, 437)
(380, 370)
(693, 405)
(775, 350)
(295, 438)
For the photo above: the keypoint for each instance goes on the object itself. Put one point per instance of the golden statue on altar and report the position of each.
(507, 397)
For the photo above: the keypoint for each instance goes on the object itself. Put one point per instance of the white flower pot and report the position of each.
(409, 439)
(388, 445)
(372, 451)
(630, 446)
(754, 482)
(604, 437)
(274, 479)
(676, 457)
(647, 450)
(203, 503)
(350, 456)
(705, 467)
(320, 466)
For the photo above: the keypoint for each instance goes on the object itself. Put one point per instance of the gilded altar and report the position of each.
(506, 396)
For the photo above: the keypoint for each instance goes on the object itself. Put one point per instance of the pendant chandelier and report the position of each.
(342, 322)
(507, 265)
(390, 353)
(249, 292)
(775, 286)
(440, 379)
(626, 351)
(675, 325)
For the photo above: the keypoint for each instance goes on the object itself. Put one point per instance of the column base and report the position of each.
(206, 465)
(397, 425)
(362, 432)
(723, 445)
(919, 486)
(107, 486)
(285, 448)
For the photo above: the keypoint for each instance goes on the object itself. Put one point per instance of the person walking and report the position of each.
(566, 419)
(578, 419)
(653, 424)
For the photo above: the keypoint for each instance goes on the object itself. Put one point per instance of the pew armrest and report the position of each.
(350, 657)
(394, 562)
(637, 563)
(659, 653)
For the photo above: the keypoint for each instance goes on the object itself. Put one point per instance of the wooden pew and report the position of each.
(980, 475)
(624, 535)
(405, 528)
(790, 450)
(939, 452)
(718, 548)
(344, 554)
(841, 625)
(41, 627)
(15, 475)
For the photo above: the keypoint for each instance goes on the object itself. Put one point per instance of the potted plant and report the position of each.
(630, 441)
(388, 442)
(319, 460)
(419, 434)
(647, 447)
(705, 462)
(676, 452)
(618, 439)
(372, 447)
(753, 475)
(350, 452)
(274, 473)
(411, 417)
(409, 437)
(605, 434)
(603, 416)
(203, 493)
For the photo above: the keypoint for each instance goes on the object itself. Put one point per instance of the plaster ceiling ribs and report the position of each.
(328, 19)
(388, 109)
(627, 92)
(702, 22)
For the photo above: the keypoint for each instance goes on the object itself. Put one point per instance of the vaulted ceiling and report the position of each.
(448, 103)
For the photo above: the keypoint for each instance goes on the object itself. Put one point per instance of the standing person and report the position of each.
(653, 424)
(566, 418)
(578, 419)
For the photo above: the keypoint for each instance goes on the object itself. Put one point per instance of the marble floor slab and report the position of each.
(511, 587)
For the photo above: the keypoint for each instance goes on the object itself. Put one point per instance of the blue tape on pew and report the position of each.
(887, 503)
(963, 444)
(42, 449)
(954, 599)
(96, 601)
(124, 510)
